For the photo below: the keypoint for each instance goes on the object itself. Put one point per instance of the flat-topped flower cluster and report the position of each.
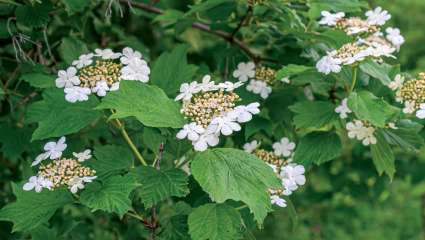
(100, 72)
(369, 43)
(61, 172)
(411, 93)
(213, 110)
(280, 160)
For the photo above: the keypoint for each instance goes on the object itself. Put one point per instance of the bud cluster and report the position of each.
(348, 24)
(102, 70)
(265, 74)
(270, 158)
(413, 91)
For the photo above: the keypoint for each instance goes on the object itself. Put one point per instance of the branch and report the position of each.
(229, 37)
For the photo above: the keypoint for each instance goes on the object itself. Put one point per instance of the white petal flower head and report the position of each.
(330, 19)
(343, 109)
(187, 91)
(191, 131)
(53, 151)
(259, 87)
(75, 184)
(284, 147)
(328, 64)
(106, 54)
(207, 85)
(67, 78)
(251, 146)
(205, 140)
(397, 83)
(77, 94)
(136, 70)
(129, 55)
(225, 125)
(294, 174)
(84, 60)
(37, 183)
(244, 71)
(229, 86)
(409, 107)
(276, 200)
(359, 131)
(377, 16)
(421, 112)
(243, 113)
(285, 80)
(83, 156)
(394, 36)
(115, 86)
(101, 88)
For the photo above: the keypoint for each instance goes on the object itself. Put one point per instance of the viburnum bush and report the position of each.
(162, 119)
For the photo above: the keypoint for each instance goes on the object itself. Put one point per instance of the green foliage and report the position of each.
(315, 114)
(383, 157)
(111, 159)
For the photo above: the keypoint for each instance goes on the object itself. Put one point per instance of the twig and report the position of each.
(242, 22)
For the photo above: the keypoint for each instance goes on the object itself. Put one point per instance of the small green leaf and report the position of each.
(315, 114)
(316, 6)
(111, 196)
(368, 107)
(376, 70)
(13, 141)
(292, 69)
(34, 16)
(206, 6)
(383, 156)
(75, 6)
(158, 185)
(71, 48)
(405, 136)
(170, 16)
(226, 173)
(148, 104)
(256, 125)
(110, 159)
(39, 80)
(215, 222)
(171, 69)
(33, 209)
(56, 117)
(318, 148)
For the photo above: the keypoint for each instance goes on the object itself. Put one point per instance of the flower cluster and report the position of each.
(60, 172)
(212, 110)
(411, 93)
(291, 174)
(100, 72)
(370, 41)
(260, 78)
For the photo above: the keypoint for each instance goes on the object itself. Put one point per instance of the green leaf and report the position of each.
(158, 185)
(75, 6)
(376, 70)
(206, 6)
(405, 136)
(71, 48)
(316, 6)
(215, 222)
(39, 80)
(56, 117)
(173, 219)
(171, 69)
(226, 173)
(14, 141)
(34, 16)
(111, 159)
(256, 125)
(383, 156)
(148, 104)
(33, 209)
(110, 196)
(292, 69)
(368, 107)
(318, 148)
(170, 16)
(315, 114)
(44, 233)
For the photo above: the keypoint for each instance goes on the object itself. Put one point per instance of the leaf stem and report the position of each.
(130, 142)
(241, 207)
(137, 216)
(354, 80)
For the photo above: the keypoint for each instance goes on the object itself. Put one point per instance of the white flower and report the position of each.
(192, 131)
(251, 146)
(328, 64)
(77, 94)
(244, 113)
(259, 87)
(409, 107)
(284, 147)
(421, 112)
(392, 125)
(330, 19)
(137, 70)
(115, 86)
(83, 156)
(67, 78)
(292, 176)
(380, 50)
(83, 60)
(77, 183)
(343, 109)
(129, 55)
(205, 140)
(377, 16)
(37, 183)
(229, 86)
(358, 130)
(244, 71)
(53, 151)
(397, 83)
(101, 88)
(224, 124)
(394, 36)
(106, 53)
(275, 199)
(206, 84)
(286, 80)
(187, 90)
